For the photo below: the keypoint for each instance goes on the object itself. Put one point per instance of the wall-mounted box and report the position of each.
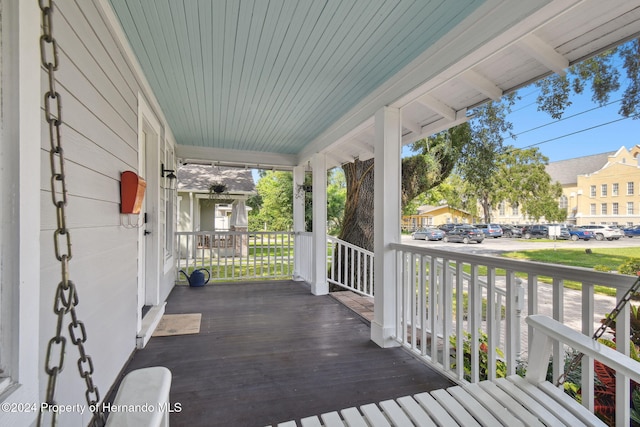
(132, 189)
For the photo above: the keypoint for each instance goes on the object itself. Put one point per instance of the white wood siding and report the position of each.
(99, 89)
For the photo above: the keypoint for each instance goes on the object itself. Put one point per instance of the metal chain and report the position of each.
(608, 322)
(66, 297)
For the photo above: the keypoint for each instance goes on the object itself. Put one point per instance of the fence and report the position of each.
(236, 255)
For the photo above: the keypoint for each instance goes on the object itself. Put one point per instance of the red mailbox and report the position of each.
(131, 192)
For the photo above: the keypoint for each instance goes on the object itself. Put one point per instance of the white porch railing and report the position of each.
(236, 255)
(350, 266)
(432, 285)
(303, 254)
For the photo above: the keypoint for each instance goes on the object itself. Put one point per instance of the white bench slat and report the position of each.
(514, 406)
(332, 419)
(435, 410)
(475, 408)
(311, 422)
(454, 408)
(288, 424)
(419, 417)
(395, 413)
(497, 408)
(528, 402)
(145, 386)
(353, 418)
(552, 405)
(374, 416)
(590, 347)
(578, 410)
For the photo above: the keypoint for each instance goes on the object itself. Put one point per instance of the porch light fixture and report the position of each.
(167, 173)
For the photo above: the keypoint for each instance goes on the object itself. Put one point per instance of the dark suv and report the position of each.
(464, 234)
(537, 231)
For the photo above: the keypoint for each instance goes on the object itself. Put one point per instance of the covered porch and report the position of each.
(275, 85)
(269, 351)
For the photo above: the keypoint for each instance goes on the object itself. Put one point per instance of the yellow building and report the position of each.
(610, 195)
(435, 215)
(598, 189)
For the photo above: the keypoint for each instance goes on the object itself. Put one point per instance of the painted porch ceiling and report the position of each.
(272, 75)
(240, 81)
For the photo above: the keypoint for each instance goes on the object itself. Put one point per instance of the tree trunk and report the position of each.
(357, 226)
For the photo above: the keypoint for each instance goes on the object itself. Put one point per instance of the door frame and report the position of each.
(149, 257)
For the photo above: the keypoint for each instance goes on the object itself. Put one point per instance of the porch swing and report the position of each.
(144, 392)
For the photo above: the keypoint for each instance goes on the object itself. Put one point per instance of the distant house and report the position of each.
(435, 215)
(201, 208)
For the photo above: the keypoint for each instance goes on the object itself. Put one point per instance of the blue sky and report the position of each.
(584, 129)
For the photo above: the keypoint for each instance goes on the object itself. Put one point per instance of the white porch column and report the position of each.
(387, 184)
(298, 221)
(319, 284)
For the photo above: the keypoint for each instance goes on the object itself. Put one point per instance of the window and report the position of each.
(564, 202)
(593, 208)
(630, 188)
(593, 191)
(603, 190)
(603, 208)
(501, 208)
(514, 210)
(614, 208)
(629, 208)
(614, 189)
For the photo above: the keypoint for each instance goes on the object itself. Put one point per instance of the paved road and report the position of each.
(492, 246)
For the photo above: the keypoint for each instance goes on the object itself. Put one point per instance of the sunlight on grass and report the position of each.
(609, 257)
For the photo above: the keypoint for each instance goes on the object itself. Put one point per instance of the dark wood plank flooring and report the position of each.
(269, 352)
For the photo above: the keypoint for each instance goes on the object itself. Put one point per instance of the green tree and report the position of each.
(601, 74)
(479, 161)
(434, 160)
(336, 196)
(275, 197)
(522, 180)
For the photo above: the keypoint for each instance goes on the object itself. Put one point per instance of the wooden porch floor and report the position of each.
(269, 352)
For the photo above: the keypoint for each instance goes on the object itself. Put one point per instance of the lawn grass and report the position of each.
(608, 257)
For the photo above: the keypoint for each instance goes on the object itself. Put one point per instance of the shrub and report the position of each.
(631, 266)
(501, 366)
(601, 267)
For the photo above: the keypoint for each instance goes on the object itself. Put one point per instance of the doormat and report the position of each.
(178, 324)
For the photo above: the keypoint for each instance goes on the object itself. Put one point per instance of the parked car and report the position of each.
(536, 231)
(632, 231)
(429, 233)
(605, 232)
(509, 230)
(564, 234)
(579, 233)
(490, 230)
(447, 227)
(464, 234)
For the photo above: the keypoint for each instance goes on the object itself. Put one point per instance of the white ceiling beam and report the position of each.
(438, 106)
(339, 157)
(437, 126)
(412, 126)
(189, 153)
(481, 83)
(537, 48)
(362, 145)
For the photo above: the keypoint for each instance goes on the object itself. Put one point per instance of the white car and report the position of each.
(604, 232)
